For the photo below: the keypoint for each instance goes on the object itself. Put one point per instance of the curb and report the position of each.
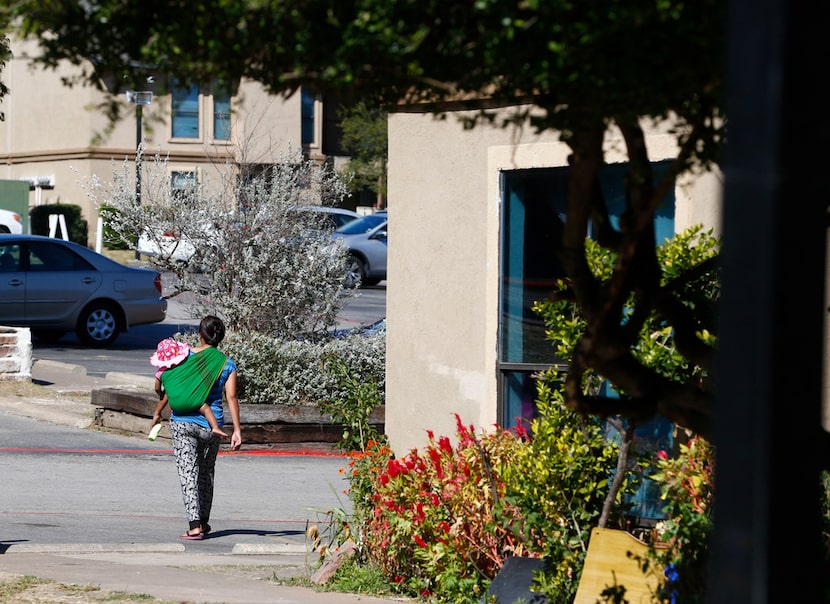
(58, 365)
(131, 379)
(242, 549)
(93, 548)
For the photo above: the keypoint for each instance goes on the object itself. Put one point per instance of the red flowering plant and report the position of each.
(687, 485)
(440, 526)
(362, 472)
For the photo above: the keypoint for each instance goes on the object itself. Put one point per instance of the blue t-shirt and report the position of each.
(214, 398)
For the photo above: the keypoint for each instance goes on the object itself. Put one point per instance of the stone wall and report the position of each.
(15, 354)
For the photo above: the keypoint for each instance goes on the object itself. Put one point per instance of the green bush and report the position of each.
(352, 411)
(76, 225)
(687, 484)
(559, 481)
(274, 371)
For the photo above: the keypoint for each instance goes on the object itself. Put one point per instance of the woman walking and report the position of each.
(207, 376)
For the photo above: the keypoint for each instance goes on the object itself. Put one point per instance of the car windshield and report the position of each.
(362, 225)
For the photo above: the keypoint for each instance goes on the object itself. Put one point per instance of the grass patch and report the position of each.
(12, 586)
(32, 390)
(356, 578)
(16, 589)
(124, 257)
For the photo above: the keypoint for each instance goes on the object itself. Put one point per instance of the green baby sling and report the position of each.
(188, 384)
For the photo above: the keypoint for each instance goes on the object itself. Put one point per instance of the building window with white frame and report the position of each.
(183, 182)
(185, 110)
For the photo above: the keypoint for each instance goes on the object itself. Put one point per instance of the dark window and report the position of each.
(45, 256)
(9, 258)
(307, 101)
(533, 217)
(221, 112)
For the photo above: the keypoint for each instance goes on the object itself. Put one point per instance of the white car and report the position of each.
(169, 245)
(10, 223)
(172, 246)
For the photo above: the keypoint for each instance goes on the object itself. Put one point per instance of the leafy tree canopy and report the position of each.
(587, 65)
(365, 141)
(582, 62)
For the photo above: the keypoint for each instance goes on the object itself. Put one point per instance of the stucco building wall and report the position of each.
(443, 286)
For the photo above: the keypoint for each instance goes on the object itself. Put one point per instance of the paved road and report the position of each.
(65, 485)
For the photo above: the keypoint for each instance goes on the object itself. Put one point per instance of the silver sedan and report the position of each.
(54, 286)
(367, 242)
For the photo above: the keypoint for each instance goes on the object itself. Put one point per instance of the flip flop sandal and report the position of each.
(189, 537)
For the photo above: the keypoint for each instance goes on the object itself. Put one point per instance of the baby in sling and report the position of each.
(184, 379)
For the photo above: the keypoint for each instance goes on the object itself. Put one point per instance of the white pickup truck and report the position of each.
(10, 222)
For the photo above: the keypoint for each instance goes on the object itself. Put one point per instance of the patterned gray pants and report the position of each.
(195, 449)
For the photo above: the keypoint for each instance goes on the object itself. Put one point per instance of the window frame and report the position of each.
(175, 112)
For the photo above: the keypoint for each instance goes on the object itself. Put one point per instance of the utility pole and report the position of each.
(139, 99)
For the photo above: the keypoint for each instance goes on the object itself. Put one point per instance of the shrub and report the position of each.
(257, 262)
(111, 238)
(353, 409)
(76, 224)
(687, 483)
(275, 371)
(656, 348)
(559, 482)
(440, 526)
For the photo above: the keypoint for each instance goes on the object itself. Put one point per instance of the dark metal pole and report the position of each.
(138, 110)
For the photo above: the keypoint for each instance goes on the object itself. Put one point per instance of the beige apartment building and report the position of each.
(56, 138)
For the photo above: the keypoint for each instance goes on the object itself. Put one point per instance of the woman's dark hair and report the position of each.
(212, 330)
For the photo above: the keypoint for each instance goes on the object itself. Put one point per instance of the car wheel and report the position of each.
(355, 272)
(48, 335)
(98, 325)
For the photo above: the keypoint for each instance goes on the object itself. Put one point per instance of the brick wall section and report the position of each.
(15, 354)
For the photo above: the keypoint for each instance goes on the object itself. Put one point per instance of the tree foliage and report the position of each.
(364, 129)
(689, 290)
(586, 66)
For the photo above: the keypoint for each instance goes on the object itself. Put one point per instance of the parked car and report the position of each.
(366, 240)
(371, 329)
(174, 246)
(10, 222)
(336, 217)
(169, 244)
(54, 286)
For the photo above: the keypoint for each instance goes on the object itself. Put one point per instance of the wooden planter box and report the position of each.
(612, 560)
(131, 409)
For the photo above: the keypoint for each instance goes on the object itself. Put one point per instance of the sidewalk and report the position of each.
(60, 394)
